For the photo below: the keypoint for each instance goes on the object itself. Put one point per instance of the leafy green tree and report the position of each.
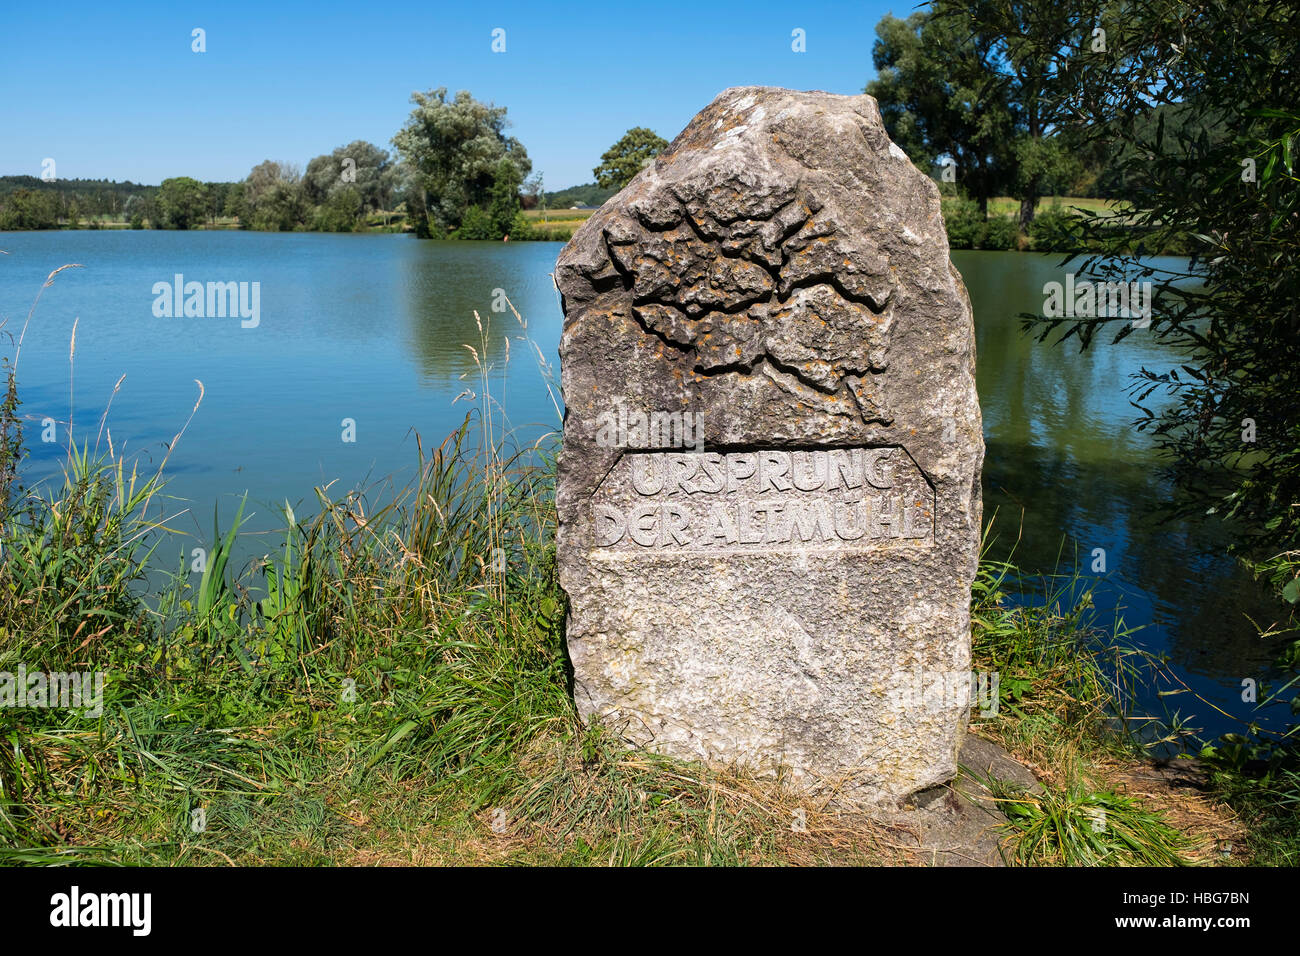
(1029, 51)
(133, 213)
(182, 201)
(1208, 112)
(409, 200)
(273, 198)
(503, 198)
(347, 206)
(217, 195)
(150, 212)
(941, 103)
(234, 202)
(341, 212)
(521, 228)
(30, 209)
(1123, 173)
(454, 149)
(476, 224)
(362, 168)
(627, 157)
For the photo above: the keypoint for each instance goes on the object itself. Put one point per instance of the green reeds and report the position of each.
(387, 684)
(1078, 826)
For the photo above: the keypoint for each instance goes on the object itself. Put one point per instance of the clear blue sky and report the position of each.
(113, 90)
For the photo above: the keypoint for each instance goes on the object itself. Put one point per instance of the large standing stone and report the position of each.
(769, 495)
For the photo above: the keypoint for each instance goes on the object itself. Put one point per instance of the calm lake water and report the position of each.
(374, 328)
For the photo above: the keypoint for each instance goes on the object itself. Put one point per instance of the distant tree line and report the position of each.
(27, 202)
(455, 173)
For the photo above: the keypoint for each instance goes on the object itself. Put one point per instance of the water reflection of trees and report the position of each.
(448, 281)
(1060, 446)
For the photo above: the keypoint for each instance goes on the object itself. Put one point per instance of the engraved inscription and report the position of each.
(842, 498)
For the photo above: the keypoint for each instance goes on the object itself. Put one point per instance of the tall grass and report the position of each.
(387, 684)
(1066, 685)
(390, 684)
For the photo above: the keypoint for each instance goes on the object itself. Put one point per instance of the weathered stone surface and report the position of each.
(769, 486)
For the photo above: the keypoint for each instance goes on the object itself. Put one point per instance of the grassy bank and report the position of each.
(381, 689)
(555, 225)
(385, 687)
(390, 685)
(1065, 683)
(1055, 229)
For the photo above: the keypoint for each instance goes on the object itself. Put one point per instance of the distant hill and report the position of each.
(28, 202)
(588, 194)
(90, 189)
(9, 183)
